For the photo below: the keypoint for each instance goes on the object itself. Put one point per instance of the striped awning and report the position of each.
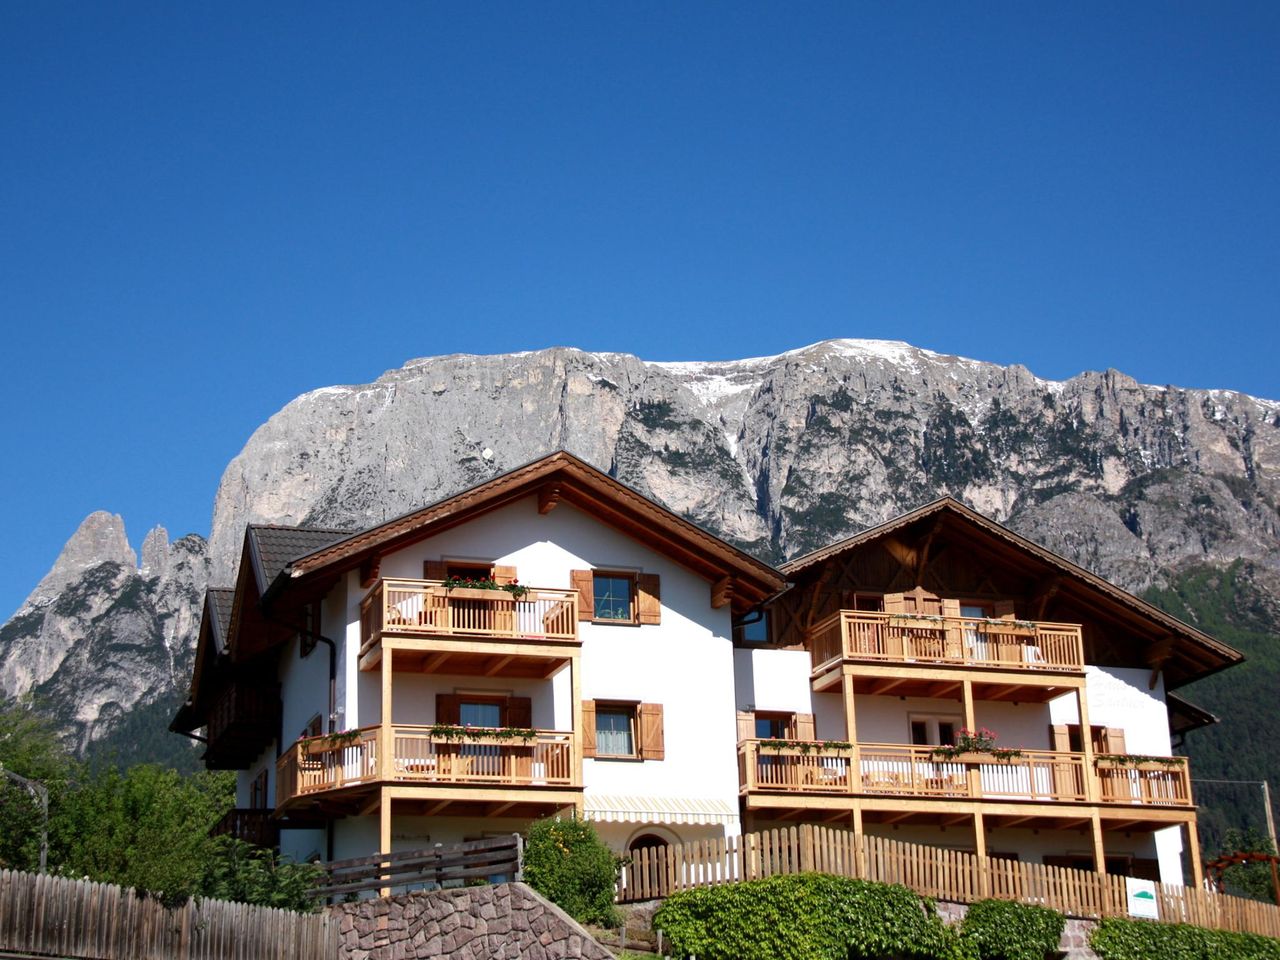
(613, 808)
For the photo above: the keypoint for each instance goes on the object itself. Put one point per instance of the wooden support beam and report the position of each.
(497, 666)
(435, 661)
(501, 809)
(371, 807)
(722, 592)
(1099, 853)
(1045, 592)
(384, 830)
(922, 555)
(1193, 848)
(1158, 654)
(436, 808)
(548, 497)
(980, 848)
(370, 571)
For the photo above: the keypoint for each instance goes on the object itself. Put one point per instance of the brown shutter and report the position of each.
(519, 712)
(434, 570)
(951, 608)
(1005, 610)
(1115, 741)
(584, 583)
(651, 742)
(504, 574)
(448, 709)
(895, 603)
(746, 725)
(805, 727)
(649, 598)
(1060, 738)
(588, 728)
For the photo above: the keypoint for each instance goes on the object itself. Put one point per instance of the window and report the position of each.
(615, 731)
(622, 730)
(258, 792)
(612, 596)
(773, 726)
(933, 731)
(480, 713)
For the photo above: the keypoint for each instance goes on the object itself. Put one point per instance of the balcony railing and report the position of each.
(428, 608)
(900, 770)
(253, 825)
(422, 754)
(1164, 782)
(967, 641)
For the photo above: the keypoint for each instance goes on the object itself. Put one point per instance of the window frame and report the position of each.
(633, 602)
(631, 708)
(932, 722)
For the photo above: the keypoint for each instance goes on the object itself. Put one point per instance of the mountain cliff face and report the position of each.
(779, 455)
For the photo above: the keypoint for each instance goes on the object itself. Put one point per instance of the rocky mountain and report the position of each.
(778, 454)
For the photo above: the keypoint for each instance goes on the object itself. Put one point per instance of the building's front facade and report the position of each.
(603, 661)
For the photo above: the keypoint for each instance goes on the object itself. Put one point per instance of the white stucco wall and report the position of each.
(685, 663)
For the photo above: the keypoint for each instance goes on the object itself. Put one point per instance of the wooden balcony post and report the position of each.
(384, 830)
(1099, 854)
(973, 775)
(851, 729)
(1193, 847)
(385, 740)
(575, 699)
(1092, 789)
(980, 848)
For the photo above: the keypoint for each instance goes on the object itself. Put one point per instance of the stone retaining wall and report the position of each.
(504, 921)
(1075, 934)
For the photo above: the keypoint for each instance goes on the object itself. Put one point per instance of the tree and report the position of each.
(29, 747)
(147, 827)
(240, 871)
(1251, 880)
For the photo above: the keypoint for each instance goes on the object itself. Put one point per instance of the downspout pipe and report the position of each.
(333, 663)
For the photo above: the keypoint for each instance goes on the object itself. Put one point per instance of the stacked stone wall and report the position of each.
(504, 921)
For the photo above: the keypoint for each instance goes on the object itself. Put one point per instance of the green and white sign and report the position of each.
(1142, 898)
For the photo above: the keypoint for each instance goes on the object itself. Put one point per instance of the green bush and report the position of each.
(1119, 939)
(566, 862)
(1004, 930)
(806, 916)
(239, 871)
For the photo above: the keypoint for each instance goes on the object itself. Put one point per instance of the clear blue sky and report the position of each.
(206, 209)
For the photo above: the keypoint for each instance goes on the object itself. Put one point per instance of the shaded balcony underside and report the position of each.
(440, 765)
(933, 812)
(944, 681)
(903, 778)
(1001, 646)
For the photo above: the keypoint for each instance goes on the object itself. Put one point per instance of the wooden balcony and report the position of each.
(508, 764)
(472, 627)
(241, 724)
(896, 770)
(254, 826)
(1025, 649)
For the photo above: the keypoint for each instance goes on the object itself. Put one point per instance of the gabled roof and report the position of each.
(1210, 655)
(271, 547)
(219, 602)
(559, 477)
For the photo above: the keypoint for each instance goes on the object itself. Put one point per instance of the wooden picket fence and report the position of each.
(47, 916)
(952, 875)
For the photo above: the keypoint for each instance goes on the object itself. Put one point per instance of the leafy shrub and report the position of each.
(806, 916)
(1119, 939)
(248, 874)
(1004, 930)
(566, 862)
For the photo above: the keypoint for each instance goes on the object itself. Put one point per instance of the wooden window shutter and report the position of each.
(651, 742)
(434, 570)
(746, 725)
(649, 598)
(448, 709)
(1005, 610)
(805, 728)
(951, 608)
(504, 574)
(895, 603)
(519, 712)
(584, 583)
(588, 728)
(1060, 737)
(1114, 742)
